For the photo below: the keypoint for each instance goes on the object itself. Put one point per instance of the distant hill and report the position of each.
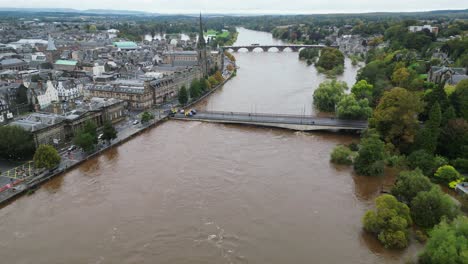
(71, 10)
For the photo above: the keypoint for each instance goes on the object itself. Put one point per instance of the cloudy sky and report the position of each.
(246, 6)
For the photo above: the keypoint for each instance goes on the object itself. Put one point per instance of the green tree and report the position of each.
(350, 108)
(370, 159)
(460, 99)
(342, 155)
(429, 207)
(47, 157)
(409, 184)
(183, 95)
(447, 174)
(453, 140)
(213, 82)
(108, 132)
(146, 117)
(328, 94)
(85, 141)
(423, 160)
(218, 76)
(395, 118)
(427, 137)
(195, 89)
(204, 85)
(389, 221)
(91, 129)
(362, 90)
(16, 143)
(400, 77)
(448, 243)
(330, 58)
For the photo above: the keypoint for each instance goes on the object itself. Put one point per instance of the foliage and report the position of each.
(183, 95)
(460, 164)
(84, 140)
(195, 89)
(212, 80)
(398, 161)
(400, 77)
(362, 89)
(342, 155)
(427, 137)
(460, 99)
(146, 117)
(47, 157)
(389, 221)
(218, 76)
(453, 140)
(423, 160)
(409, 184)
(91, 128)
(308, 54)
(108, 132)
(454, 184)
(328, 94)
(370, 159)
(350, 108)
(395, 117)
(16, 143)
(447, 174)
(430, 207)
(448, 243)
(330, 58)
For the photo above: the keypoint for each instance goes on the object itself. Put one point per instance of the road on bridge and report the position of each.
(275, 119)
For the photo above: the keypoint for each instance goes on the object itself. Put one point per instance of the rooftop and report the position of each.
(125, 45)
(66, 62)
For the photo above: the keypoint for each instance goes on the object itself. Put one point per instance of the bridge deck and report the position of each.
(287, 121)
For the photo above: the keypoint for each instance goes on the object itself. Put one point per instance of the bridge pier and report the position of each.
(265, 49)
(280, 49)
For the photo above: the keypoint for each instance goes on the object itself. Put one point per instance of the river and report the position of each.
(189, 192)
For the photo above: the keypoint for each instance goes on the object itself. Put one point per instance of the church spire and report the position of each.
(201, 38)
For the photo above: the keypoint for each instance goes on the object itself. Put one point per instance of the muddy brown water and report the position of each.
(191, 192)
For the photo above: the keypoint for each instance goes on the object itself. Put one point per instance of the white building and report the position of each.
(434, 30)
(46, 96)
(68, 90)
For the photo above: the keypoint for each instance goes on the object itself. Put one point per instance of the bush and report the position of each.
(342, 155)
(370, 159)
(389, 221)
(428, 208)
(447, 244)
(409, 184)
(460, 164)
(398, 161)
(447, 174)
(420, 236)
(422, 160)
(328, 94)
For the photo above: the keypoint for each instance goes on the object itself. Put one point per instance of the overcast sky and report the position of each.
(245, 6)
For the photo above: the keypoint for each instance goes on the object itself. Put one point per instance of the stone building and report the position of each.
(57, 130)
(448, 75)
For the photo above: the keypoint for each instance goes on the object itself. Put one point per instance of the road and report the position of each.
(276, 119)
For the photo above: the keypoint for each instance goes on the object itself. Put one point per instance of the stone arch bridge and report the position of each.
(266, 48)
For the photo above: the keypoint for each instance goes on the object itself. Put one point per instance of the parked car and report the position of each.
(72, 148)
(135, 122)
(100, 136)
(182, 111)
(193, 111)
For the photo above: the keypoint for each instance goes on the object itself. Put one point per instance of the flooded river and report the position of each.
(189, 192)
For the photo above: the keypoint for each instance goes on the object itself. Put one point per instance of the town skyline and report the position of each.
(257, 7)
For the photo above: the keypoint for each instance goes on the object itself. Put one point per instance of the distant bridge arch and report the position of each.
(266, 48)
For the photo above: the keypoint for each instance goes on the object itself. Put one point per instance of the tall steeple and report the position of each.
(51, 44)
(201, 37)
(201, 49)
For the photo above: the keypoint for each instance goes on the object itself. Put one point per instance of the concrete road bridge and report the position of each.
(266, 48)
(293, 122)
